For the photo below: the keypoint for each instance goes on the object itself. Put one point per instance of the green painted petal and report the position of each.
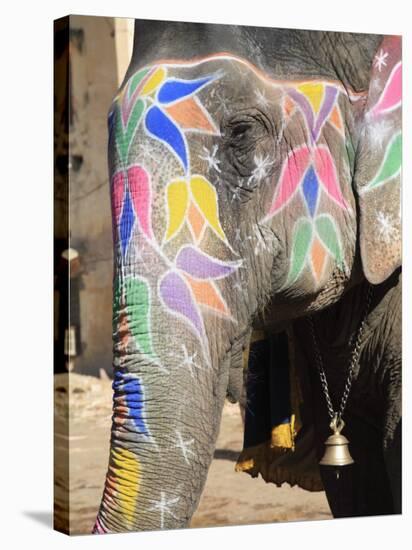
(391, 163)
(302, 239)
(136, 79)
(328, 234)
(124, 136)
(138, 312)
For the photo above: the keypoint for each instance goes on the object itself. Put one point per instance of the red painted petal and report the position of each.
(117, 193)
(291, 175)
(141, 194)
(391, 96)
(326, 170)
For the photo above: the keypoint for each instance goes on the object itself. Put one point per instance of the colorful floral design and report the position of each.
(309, 170)
(317, 102)
(195, 202)
(316, 237)
(166, 108)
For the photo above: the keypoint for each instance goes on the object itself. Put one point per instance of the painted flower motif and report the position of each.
(315, 236)
(317, 102)
(192, 201)
(309, 170)
(191, 284)
(131, 204)
(313, 242)
(168, 107)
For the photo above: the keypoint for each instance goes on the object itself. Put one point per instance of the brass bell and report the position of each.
(337, 451)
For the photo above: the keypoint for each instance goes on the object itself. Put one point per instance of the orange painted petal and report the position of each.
(189, 115)
(196, 220)
(318, 255)
(205, 293)
(336, 119)
(288, 106)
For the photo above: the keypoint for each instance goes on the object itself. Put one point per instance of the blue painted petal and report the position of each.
(174, 88)
(131, 388)
(311, 190)
(126, 222)
(164, 129)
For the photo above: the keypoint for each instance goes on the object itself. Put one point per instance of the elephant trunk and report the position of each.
(165, 423)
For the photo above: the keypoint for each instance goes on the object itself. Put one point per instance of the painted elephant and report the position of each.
(255, 179)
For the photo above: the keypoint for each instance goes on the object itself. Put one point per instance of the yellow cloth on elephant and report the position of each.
(276, 445)
(283, 435)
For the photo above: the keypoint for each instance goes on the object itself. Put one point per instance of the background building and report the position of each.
(91, 58)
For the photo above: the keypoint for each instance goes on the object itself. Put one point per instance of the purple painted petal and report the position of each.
(201, 266)
(327, 106)
(178, 298)
(304, 106)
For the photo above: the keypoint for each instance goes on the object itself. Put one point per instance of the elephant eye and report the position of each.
(244, 135)
(240, 130)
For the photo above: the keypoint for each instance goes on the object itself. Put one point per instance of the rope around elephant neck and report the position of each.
(336, 416)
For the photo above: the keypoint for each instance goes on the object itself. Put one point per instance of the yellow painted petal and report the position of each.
(205, 197)
(124, 465)
(314, 94)
(177, 197)
(154, 81)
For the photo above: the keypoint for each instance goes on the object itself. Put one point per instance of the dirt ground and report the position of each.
(229, 498)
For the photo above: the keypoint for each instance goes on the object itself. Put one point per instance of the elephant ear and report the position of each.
(377, 177)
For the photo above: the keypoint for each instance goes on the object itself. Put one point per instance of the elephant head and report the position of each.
(236, 181)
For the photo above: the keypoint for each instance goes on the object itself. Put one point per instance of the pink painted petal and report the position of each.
(141, 194)
(291, 175)
(391, 96)
(117, 193)
(199, 265)
(326, 170)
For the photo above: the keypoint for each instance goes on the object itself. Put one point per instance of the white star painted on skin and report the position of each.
(210, 158)
(263, 165)
(380, 60)
(239, 285)
(146, 150)
(386, 228)
(236, 194)
(261, 243)
(225, 109)
(261, 99)
(379, 131)
(184, 446)
(163, 505)
(189, 361)
(237, 234)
